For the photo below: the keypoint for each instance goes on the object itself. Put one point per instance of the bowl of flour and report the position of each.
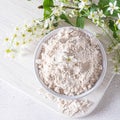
(70, 62)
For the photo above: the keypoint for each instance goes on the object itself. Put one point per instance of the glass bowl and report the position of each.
(98, 82)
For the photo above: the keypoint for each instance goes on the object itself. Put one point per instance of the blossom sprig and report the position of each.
(113, 7)
(104, 14)
(24, 38)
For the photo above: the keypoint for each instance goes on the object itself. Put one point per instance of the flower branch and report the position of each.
(105, 13)
(66, 7)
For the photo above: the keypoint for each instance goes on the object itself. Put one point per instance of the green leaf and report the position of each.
(111, 25)
(94, 7)
(80, 22)
(48, 3)
(118, 33)
(64, 17)
(118, 3)
(103, 3)
(113, 28)
(115, 34)
(47, 12)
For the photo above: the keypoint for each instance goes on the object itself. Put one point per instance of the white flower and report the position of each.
(102, 23)
(94, 16)
(118, 21)
(73, 13)
(112, 7)
(57, 11)
(100, 13)
(70, 59)
(96, 21)
(83, 4)
(49, 23)
(46, 23)
(61, 4)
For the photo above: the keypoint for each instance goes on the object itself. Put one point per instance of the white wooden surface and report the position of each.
(18, 106)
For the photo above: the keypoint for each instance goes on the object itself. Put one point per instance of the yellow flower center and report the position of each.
(68, 59)
(6, 39)
(93, 15)
(85, 0)
(17, 43)
(119, 21)
(113, 7)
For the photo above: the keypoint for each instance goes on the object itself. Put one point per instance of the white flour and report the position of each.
(68, 107)
(70, 62)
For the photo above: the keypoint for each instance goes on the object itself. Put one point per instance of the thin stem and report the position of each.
(69, 7)
(105, 6)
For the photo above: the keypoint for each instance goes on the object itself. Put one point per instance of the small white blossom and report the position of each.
(61, 4)
(73, 13)
(57, 11)
(46, 24)
(102, 24)
(100, 13)
(70, 59)
(49, 23)
(94, 16)
(112, 7)
(83, 4)
(118, 21)
(96, 21)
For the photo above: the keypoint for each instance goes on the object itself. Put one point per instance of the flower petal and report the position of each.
(119, 26)
(110, 4)
(116, 8)
(115, 3)
(111, 11)
(119, 15)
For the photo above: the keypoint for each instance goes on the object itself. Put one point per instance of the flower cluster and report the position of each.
(24, 38)
(104, 13)
(96, 17)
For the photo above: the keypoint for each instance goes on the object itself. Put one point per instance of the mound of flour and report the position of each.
(70, 62)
